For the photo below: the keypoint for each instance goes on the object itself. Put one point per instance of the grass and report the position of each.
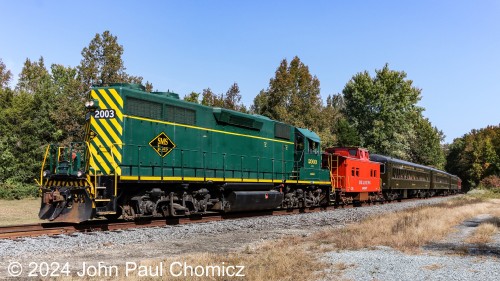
(284, 260)
(22, 211)
(406, 230)
(299, 258)
(484, 232)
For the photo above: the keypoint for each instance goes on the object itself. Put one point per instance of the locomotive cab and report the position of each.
(307, 155)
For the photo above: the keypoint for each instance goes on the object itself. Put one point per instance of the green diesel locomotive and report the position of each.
(152, 154)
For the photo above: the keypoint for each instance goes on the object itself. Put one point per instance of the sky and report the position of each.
(450, 49)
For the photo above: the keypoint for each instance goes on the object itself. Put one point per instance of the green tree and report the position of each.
(293, 96)
(192, 97)
(475, 155)
(232, 99)
(69, 112)
(5, 76)
(381, 109)
(102, 62)
(208, 98)
(425, 147)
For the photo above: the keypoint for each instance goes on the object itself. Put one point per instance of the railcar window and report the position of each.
(382, 169)
(357, 172)
(144, 108)
(313, 147)
(353, 152)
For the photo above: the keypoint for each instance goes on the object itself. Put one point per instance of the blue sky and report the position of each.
(450, 49)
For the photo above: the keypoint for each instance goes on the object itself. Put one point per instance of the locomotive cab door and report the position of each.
(299, 149)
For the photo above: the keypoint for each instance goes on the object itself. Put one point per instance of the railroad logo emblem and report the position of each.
(162, 144)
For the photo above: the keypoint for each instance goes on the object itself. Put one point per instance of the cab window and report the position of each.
(313, 147)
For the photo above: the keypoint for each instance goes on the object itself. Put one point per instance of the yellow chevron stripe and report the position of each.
(118, 112)
(108, 156)
(101, 133)
(99, 159)
(111, 103)
(116, 138)
(117, 97)
(93, 164)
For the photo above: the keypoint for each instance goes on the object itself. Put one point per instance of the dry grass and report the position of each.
(282, 260)
(433, 267)
(19, 211)
(406, 230)
(297, 258)
(484, 232)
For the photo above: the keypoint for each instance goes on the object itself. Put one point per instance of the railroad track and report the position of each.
(51, 229)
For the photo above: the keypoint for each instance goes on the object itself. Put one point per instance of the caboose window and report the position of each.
(353, 152)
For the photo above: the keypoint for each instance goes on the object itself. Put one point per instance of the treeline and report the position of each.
(379, 112)
(475, 158)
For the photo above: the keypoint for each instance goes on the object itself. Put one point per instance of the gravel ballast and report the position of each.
(384, 263)
(117, 247)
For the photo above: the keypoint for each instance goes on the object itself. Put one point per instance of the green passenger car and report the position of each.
(403, 179)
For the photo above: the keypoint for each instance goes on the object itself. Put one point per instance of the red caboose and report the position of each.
(353, 176)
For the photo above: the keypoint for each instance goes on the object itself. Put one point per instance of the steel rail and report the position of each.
(51, 229)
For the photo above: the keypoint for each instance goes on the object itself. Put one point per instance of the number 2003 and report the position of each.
(312, 161)
(104, 113)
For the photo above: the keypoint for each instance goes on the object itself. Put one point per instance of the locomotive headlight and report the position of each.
(46, 173)
(92, 104)
(79, 174)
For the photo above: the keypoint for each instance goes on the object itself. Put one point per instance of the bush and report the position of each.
(491, 182)
(14, 190)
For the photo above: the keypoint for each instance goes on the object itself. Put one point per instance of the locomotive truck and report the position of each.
(152, 154)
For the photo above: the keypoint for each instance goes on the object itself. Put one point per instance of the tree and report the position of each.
(69, 112)
(425, 147)
(102, 62)
(381, 109)
(5, 75)
(232, 99)
(192, 97)
(6, 94)
(293, 96)
(475, 156)
(208, 98)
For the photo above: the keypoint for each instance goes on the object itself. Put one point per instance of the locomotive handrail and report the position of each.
(242, 168)
(43, 164)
